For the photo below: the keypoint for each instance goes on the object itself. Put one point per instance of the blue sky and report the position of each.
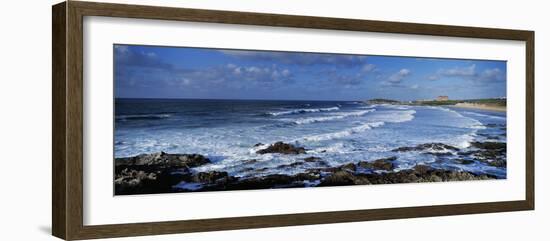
(199, 73)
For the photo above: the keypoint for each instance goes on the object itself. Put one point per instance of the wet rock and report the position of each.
(263, 169)
(258, 144)
(425, 174)
(427, 147)
(133, 177)
(464, 161)
(491, 153)
(339, 178)
(323, 163)
(164, 159)
(422, 169)
(294, 164)
(350, 167)
(131, 181)
(407, 176)
(489, 145)
(497, 163)
(154, 173)
(312, 159)
(283, 148)
(269, 181)
(250, 161)
(380, 164)
(466, 153)
(209, 177)
(307, 176)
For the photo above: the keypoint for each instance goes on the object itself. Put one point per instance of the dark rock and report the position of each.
(489, 145)
(380, 164)
(258, 144)
(464, 161)
(322, 163)
(269, 181)
(294, 164)
(497, 163)
(491, 153)
(250, 161)
(308, 176)
(422, 169)
(312, 159)
(339, 178)
(283, 148)
(133, 177)
(466, 153)
(407, 176)
(350, 167)
(131, 181)
(262, 169)
(154, 173)
(209, 177)
(427, 147)
(164, 159)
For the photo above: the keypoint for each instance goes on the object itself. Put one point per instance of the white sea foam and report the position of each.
(330, 118)
(464, 141)
(344, 133)
(301, 111)
(401, 116)
(473, 123)
(486, 116)
(389, 117)
(337, 147)
(398, 107)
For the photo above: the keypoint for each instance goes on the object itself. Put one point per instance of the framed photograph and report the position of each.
(171, 120)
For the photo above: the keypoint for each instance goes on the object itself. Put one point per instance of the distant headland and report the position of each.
(494, 104)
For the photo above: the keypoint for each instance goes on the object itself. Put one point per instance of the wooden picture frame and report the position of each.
(67, 150)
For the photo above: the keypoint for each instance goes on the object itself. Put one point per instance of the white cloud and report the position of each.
(461, 72)
(491, 74)
(396, 78)
(469, 73)
(121, 48)
(298, 58)
(368, 68)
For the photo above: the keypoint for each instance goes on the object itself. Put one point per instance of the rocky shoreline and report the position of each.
(170, 173)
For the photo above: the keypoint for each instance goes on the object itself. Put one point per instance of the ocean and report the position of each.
(229, 132)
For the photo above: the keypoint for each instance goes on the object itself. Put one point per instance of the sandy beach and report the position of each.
(481, 106)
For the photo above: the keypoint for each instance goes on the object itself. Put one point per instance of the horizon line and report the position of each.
(178, 98)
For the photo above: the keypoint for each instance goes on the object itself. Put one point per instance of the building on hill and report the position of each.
(442, 98)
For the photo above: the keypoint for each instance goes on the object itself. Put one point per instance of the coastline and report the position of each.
(480, 107)
(171, 173)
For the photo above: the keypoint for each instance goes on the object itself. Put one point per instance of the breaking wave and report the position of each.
(302, 111)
